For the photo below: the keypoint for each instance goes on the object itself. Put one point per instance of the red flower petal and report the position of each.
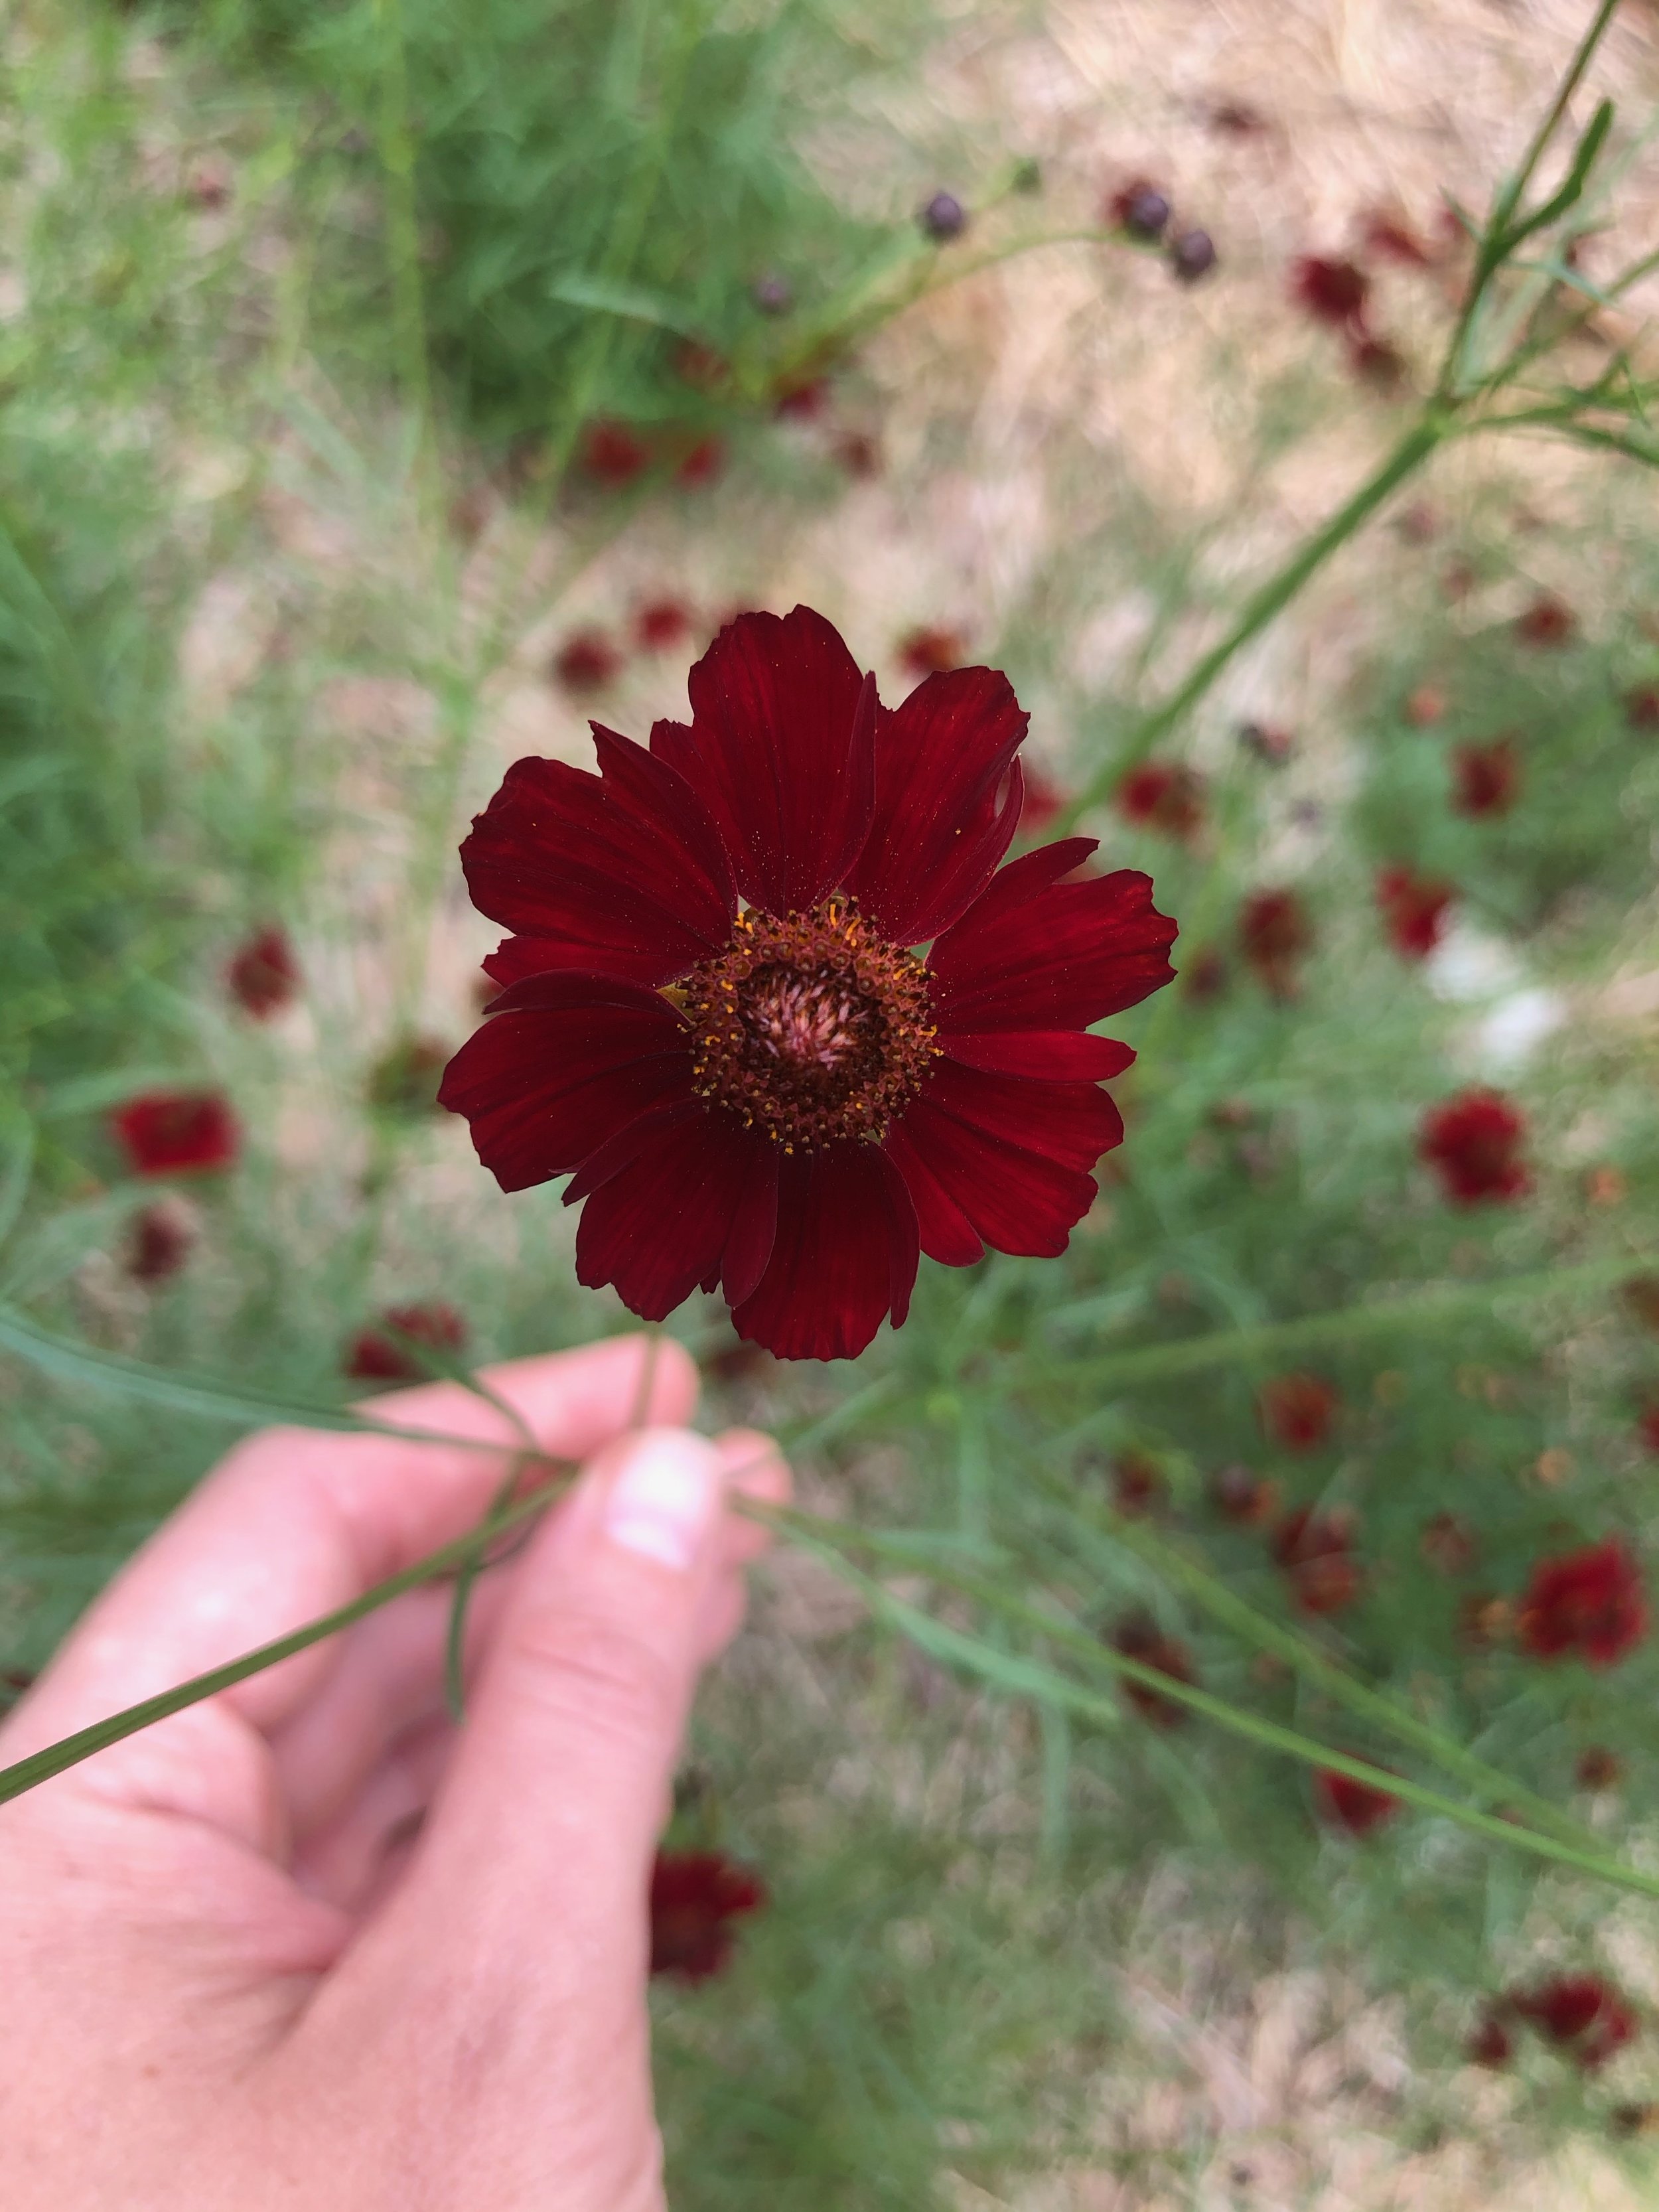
(1017, 1200)
(1055, 1055)
(565, 1062)
(947, 1233)
(659, 1227)
(1072, 1122)
(176, 1132)
(940, 826)
(781, 750)
(1035, 953)
(621, 872)
(847, 1250)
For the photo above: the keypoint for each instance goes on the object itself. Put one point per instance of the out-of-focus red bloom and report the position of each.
(263, 975)
(857, 452)
(1331, 291)
(1472, 1142)
(801, 398)
(701, 365)
(700, 464)
(1144, 1640)
(1581, 2014)
(1486, 779)
(932, 650)
(1354, 1807)
(1590, 1604)
(1647, 1426)
(1243, 1495)
(1549, 621)
(385, 1352)
(1447, 1544)
(1297, 1411)
(712, 1020)
(614, 455)
(1164, 796)
(1043, 801)
(1377, 362)
(1392, 238)
(1140, 208)
(1315, 1551)
(1275, 935)
(1491, 2043)
(1413, 907)
(1598, 1768)
(1138, 1485)
(1642, 707)
(165, 1133)
(661, 622)
(159, 1241)
(1204, 976)
(586, 661)
(695, 1896)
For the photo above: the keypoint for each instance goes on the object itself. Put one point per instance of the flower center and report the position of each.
(812, 1026)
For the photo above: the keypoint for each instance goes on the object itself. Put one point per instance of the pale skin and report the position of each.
(309, 1944)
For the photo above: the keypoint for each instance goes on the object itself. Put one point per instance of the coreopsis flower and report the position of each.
(1192, 256)
(586, 661)
(1581, 2014)
(1597, 1768)
(159, 1241)
(1642, 707)
(717, 1019)
(1590, 1604)
(931, 649)
(1548, 620)
(167, 1132)
(1140, 208)
(1275, 935)
(1413, 909)
(695, 1897)
(1142, 1639)
(1204, 976)
(613, 455)
(1297, 1411)
(1491, 2043)
(700, 464)
(801, 398)
(1315, 1551)
(1485, 779)
(1138, 1485)
(661, 622)
(386, 1352)
(1356, 1807)
(1472, 1142)
(1242, 1495)
(1330, 290)
(943, 218)
(1164, 796)
(263, 974)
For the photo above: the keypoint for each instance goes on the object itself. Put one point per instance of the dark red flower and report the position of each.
(659, 623)
(159, 1241)
(1491, 2045)
(1144, 1640)
(1205, 974)
(1472, 1142)
(1164, 796)
(386, 1354)
(1375, 362)
(1486, 777)
(586, 661)
(714, 1019)
(1140, 208)
(1580, 2012)
(176, 1132)
(1241, 1494)
(1642, 707)
(1297, 1411)
(1598, 1768)
(1274, 935)
(1331, 291)
(1591, 1603)
(801, 398)
(701, 464)
(857, 452)
(932, 650)
(695, 1897)
(263, 975)
(702, 366)
(1138, 1485)
(1357, 1807)
(1315, 1550)
(1043, 801)
(1548, 620)
(613, 454)
(1413, 907)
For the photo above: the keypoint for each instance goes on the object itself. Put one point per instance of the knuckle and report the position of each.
(597, 1675)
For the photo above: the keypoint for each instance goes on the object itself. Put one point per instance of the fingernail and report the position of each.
(667, 1492)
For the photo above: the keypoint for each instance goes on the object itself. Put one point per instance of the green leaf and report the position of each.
(635, 303)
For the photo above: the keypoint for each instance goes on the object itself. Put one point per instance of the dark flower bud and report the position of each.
(1140, 210)
(772, 293)
(1267, 741)
(943, 218)
(1192, 256)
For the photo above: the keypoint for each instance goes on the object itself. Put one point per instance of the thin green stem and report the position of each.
(397, 150)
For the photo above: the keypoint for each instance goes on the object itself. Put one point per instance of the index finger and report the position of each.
(294, 1523)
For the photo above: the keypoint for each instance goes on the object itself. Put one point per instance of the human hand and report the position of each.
(308, 1944)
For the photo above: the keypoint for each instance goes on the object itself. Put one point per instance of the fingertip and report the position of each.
(755, 1465)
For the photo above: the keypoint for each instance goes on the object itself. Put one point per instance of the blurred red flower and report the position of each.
(1491, 2045)
(176, 1132)
(1242, 1495)
(263, 975)
(1315, 1550)
(1043, 801)
(711, 1014)
(1138, 1485)
(695, 1897)
(385, 1352)
(702, 464)
(1472, 1142)
(857, 452)
(1486, 777)
(1297, 1411)
(1164, 796)
(1355, 1807)
(1548, 622)
(1274, 935)
(1591, 1603)
(1642, 707)
(932, 651)
(159, 1241)
(801, 398)
(586, 661)
(1598, 1768)
(1377, 362)
(1582, 2014)
(661, 623)
(614, 455)
(1331, 291)
(1413, 909)
(1144, 1640)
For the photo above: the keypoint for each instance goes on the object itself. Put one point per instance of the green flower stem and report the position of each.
(1176, 1566)
(397, 150)
(829, 1542)
(1408, 455)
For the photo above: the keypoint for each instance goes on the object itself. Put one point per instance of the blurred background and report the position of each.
(386, 387)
